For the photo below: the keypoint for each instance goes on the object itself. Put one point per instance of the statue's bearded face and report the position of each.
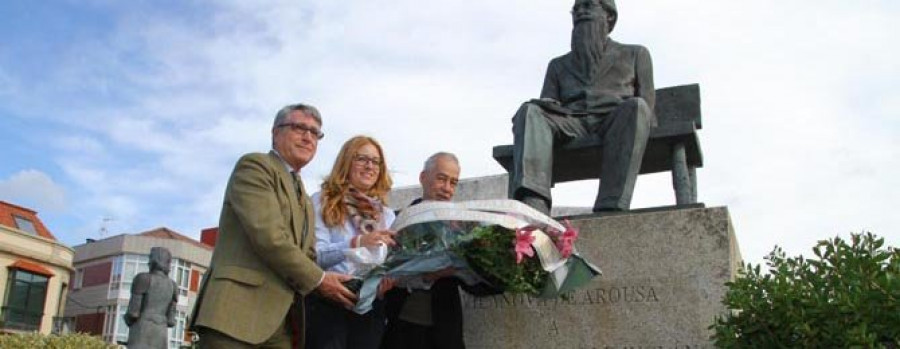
(589, 34)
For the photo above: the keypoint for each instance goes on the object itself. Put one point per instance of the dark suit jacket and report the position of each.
(264, 255)
(625, 71)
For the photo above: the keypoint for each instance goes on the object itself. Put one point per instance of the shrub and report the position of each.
(846, 297)
(36, 340)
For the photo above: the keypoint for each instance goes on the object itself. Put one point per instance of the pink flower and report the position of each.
(566, 241)
(523, 243)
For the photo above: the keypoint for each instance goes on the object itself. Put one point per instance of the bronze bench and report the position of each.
(673, 146)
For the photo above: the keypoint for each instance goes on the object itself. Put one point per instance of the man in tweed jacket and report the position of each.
(264, 261)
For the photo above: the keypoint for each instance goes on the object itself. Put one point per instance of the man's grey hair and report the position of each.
(431, 162)
(304, 108)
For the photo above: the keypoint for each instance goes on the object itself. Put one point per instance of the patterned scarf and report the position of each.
(364, 212)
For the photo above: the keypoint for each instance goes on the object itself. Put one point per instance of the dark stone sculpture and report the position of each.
(600, 87)
(152, 307)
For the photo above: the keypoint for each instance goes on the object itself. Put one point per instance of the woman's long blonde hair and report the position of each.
(337, 183)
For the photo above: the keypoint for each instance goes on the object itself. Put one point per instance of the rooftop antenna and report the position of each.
(103, 228)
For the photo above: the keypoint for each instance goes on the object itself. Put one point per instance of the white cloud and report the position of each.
(33, 189)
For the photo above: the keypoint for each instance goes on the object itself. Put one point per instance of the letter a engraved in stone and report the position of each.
(651, 295)
(588, 298)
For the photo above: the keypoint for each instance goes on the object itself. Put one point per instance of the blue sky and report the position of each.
(136, 111)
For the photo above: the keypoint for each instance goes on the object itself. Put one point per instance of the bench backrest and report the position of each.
(678, 104)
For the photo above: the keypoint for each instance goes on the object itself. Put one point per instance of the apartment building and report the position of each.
(34, 273)
(104, 270)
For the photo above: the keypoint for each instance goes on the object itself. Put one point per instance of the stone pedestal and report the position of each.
(662, 285)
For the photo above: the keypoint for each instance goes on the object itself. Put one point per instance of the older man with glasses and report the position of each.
(264, 262)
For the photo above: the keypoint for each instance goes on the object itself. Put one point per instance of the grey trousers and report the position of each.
(624, 133)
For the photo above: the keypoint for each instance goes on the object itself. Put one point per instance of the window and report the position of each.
(79, 278)
(111, 324)
(121, 327)
(132, 265)
(25, 224)
(176, 333)
(108, 325)
(181, 273)
(25, 297)
(124, 269)
(116, 278)
(115, 330)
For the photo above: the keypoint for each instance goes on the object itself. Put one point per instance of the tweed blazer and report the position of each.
(264, 255)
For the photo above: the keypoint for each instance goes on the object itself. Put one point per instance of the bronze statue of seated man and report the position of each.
(600, 87)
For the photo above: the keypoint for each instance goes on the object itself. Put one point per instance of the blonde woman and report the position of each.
(351, 212)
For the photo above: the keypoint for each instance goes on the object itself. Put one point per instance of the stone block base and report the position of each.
(662, 285)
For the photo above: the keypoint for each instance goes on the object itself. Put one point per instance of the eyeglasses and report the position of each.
(362, 160)
(303, 129)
